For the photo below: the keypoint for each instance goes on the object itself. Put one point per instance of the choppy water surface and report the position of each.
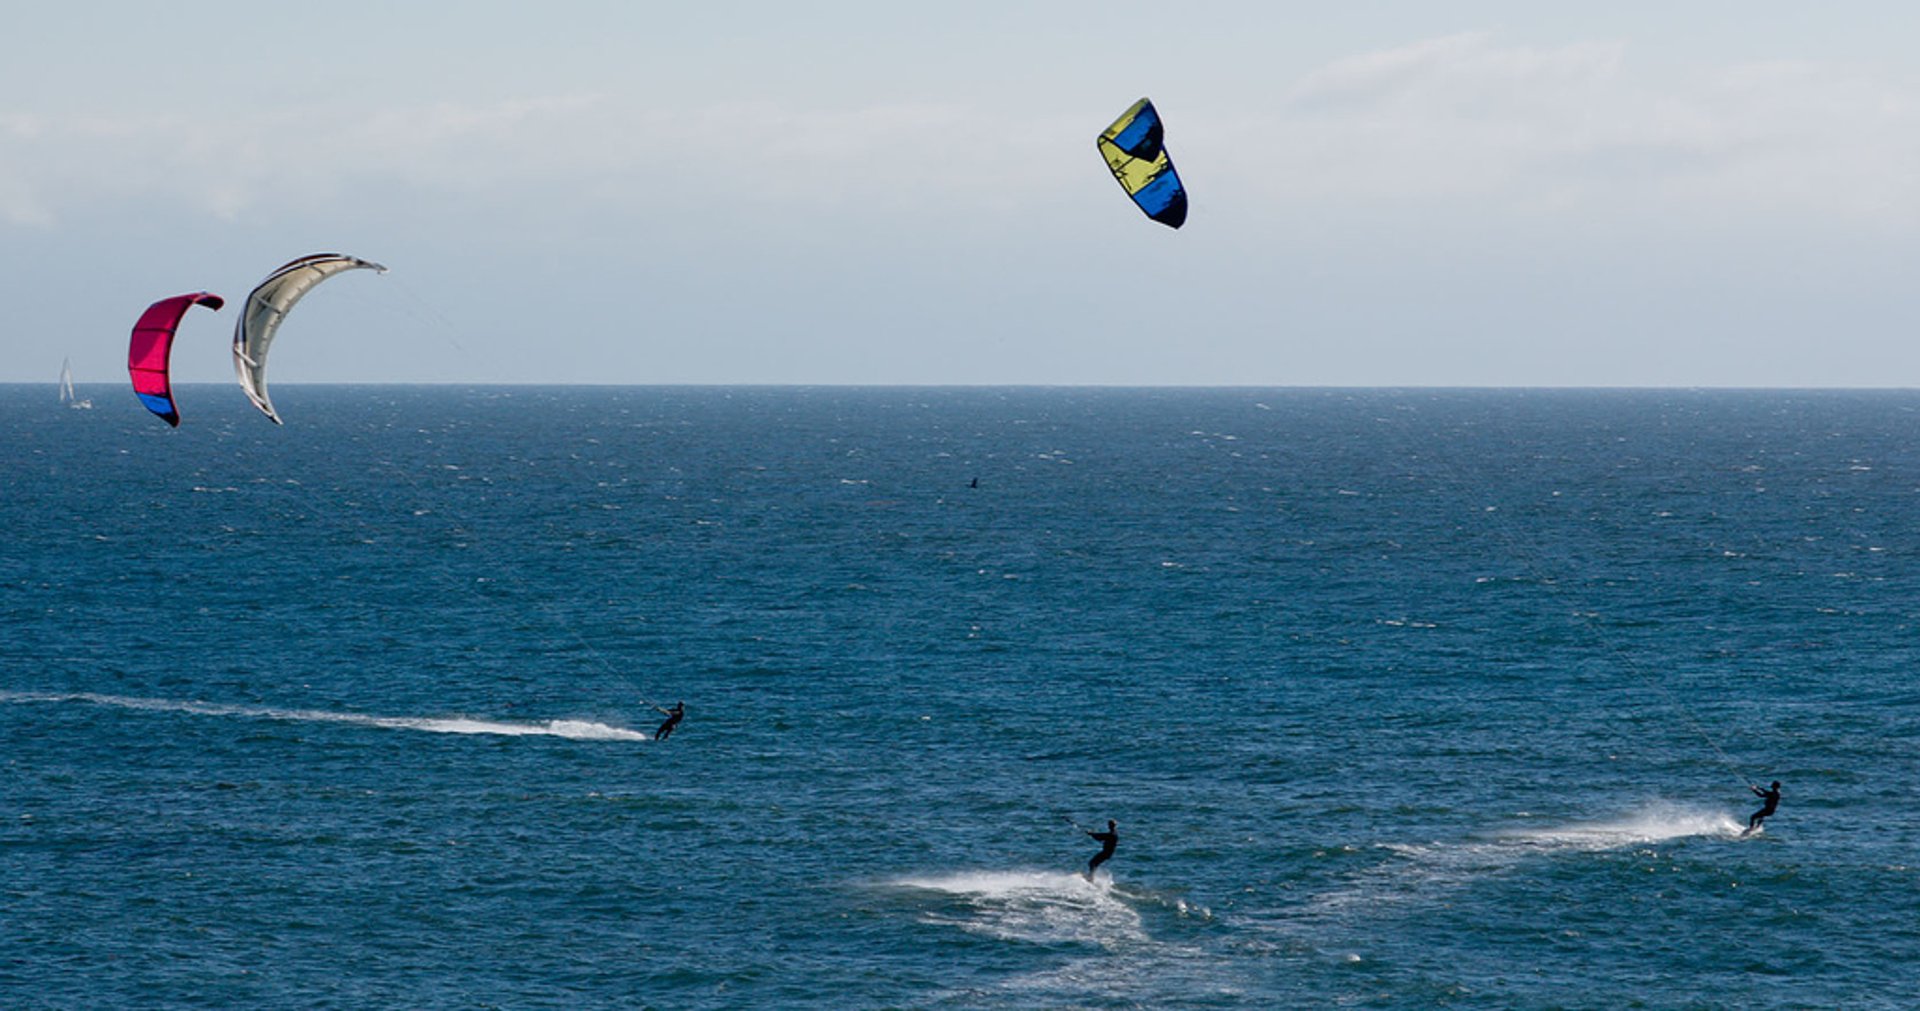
(1401, 699)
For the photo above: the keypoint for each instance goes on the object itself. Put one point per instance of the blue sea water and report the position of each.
(1401, 699)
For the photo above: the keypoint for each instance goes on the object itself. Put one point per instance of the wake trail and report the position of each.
(1652, 825)
(1043, 907)
(575, 730)
(1099, 940)
(1425, 870)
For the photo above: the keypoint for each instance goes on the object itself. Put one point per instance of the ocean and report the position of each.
(1400, 698)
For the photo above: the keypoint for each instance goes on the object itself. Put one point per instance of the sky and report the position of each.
(1385, 193)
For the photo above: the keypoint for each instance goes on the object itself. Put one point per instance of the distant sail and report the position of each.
(268, 305)
(1135, 150)
(67, 395)
(152, 345)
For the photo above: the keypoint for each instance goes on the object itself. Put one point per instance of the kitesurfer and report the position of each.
(1107, 840)
(1770, 801)
(673, 720)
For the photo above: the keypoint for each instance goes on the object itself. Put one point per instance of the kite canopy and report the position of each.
(152, 345)
(268, 305)
(1134, 151)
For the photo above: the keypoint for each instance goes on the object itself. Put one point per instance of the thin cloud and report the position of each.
(1459, 73)
(1583, 129)
(556, 148)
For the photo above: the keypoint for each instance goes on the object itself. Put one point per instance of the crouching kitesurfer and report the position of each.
(673, 720)
(1769, 802)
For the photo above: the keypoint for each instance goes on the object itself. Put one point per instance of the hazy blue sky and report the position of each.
(1386, 193)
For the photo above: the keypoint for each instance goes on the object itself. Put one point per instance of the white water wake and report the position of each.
(1655, 824)
(1107, 956)
(1040, 907)
(577, 730)
(1423, 868)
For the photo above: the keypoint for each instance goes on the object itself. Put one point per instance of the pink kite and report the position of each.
(153, 342)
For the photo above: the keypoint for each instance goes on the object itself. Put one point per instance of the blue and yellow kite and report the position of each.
(1134, 149)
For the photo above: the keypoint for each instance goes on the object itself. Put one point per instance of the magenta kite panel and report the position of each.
(151, 346)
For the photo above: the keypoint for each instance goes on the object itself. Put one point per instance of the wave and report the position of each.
(576, 730)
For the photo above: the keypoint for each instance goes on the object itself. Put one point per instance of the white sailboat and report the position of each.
(66, 387)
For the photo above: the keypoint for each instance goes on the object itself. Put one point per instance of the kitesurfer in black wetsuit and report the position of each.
(1770, 798)
(673, 720)
(1107, 840)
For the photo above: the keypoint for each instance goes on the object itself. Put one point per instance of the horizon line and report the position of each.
(513, 384)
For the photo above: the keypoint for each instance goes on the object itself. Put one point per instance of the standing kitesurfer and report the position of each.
(1107, 840)
(1770, 801)
(673, 720)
